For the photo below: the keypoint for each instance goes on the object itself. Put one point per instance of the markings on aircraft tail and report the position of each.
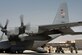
(62, 13)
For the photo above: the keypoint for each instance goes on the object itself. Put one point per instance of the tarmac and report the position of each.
(34, 53)
(42, 54)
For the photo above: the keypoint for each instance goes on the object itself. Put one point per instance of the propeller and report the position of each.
(6, 24)
(4, 29)
(21, 18)
(23, 28)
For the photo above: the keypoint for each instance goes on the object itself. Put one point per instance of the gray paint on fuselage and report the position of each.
(39, 44)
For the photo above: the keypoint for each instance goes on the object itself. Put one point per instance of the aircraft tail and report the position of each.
(62, 14)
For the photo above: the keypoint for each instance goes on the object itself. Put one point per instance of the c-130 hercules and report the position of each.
(17, 42)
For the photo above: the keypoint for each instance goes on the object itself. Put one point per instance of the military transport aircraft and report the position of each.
(28, 39)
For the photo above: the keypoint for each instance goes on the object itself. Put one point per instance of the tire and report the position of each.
(1, 51)
(20, 51)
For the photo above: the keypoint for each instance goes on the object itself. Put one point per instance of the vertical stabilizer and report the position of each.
(62, 14)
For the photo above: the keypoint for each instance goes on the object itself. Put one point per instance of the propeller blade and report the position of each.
(2, 36)
(6, 24)
(21, 18)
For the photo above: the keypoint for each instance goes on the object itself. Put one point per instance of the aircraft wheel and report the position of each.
(7, 51)
(20, 51)
(1, 51)
(12, 51)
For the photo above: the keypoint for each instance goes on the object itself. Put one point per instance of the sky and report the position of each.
(37, 12)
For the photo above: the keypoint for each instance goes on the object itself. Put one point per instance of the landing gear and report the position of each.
(1, 51)
(9, 50)
(4, 50)
(14, 51)
(20, 51)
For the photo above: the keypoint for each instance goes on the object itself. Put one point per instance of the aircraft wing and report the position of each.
(59, 28)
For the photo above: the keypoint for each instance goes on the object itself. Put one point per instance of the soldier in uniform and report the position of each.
(59, 49)
(73, 47)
